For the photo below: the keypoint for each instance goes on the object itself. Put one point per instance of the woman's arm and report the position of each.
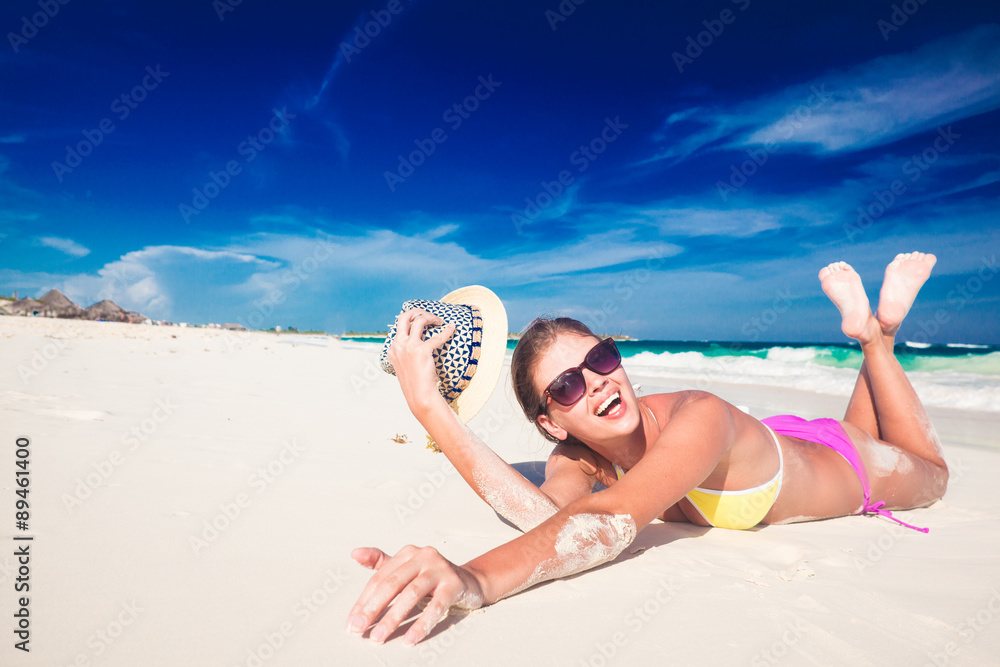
(503, 488)
(596, 528)
(506, 490)
(589, 531)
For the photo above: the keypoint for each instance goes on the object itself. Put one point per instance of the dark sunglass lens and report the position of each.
(604, 358)
(568, 388)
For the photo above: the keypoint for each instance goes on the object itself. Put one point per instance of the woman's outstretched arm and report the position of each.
(589, 531)
(508, 492)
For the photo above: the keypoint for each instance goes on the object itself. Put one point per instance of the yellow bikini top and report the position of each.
(737, 510)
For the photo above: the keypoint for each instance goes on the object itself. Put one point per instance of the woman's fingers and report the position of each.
(404, 580)
(412, 323)
(435, 612)
(401, 608)
(439, 339)
(370, 557)
(384, 585)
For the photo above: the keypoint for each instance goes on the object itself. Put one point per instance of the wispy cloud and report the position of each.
(701, 216)
(699, 221)
(68, 246)
(877, 102)
(13, 138)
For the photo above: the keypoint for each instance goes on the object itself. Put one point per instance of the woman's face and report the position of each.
(609, 408)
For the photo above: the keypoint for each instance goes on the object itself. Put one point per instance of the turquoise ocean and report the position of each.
(950, 376)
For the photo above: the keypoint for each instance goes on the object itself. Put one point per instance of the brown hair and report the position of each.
(534, 343)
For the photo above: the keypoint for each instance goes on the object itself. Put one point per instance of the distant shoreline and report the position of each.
(510, 335)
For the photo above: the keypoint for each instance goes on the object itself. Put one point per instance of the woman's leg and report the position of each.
(904, 277)
(884, 400)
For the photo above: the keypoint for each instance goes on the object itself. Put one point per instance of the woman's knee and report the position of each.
(940, 476)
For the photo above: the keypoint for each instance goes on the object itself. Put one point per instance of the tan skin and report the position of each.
(701, 440)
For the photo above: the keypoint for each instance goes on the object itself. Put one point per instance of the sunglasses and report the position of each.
(571, 386)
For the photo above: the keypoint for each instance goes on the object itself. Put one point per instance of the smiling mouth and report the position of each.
(609, 404)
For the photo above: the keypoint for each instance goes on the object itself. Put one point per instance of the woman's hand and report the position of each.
(408, 577)
(412, 357)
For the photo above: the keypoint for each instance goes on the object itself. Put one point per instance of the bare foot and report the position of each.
(843, 285)
(904, 277)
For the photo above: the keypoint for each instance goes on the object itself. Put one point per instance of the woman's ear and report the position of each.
(558, 432)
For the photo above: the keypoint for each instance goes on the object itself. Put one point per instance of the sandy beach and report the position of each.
(195, 495)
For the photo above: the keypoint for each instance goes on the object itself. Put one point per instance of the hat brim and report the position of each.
(494, 348)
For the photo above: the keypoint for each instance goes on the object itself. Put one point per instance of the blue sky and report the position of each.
(669, 170)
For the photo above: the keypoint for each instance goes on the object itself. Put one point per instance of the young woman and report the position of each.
(686, 456)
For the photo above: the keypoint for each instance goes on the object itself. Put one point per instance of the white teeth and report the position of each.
(604, 406)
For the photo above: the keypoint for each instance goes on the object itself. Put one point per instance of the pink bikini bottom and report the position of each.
(829, 433)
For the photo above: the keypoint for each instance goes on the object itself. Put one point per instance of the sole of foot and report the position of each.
(843, 285)
(904, 277)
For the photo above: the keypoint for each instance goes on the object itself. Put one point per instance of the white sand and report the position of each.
(291, 437)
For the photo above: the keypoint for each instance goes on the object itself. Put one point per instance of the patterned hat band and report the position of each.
(458, 359)
(469, 364)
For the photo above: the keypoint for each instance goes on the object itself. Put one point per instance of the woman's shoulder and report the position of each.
(668, 403)
(578, 453)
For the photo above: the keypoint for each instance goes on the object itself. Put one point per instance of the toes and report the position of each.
(921, 257)
(834, 268)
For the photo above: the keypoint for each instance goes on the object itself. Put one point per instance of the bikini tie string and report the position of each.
(876, 508)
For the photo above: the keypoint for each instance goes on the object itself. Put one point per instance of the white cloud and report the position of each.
(876, 102)
(359, 279)
(68, 246)
(688, 217)
(160, 281)
(703, 221)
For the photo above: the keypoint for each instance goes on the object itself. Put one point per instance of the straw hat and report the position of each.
(469, 363)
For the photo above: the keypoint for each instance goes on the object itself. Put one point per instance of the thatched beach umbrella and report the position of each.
(61, 305)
